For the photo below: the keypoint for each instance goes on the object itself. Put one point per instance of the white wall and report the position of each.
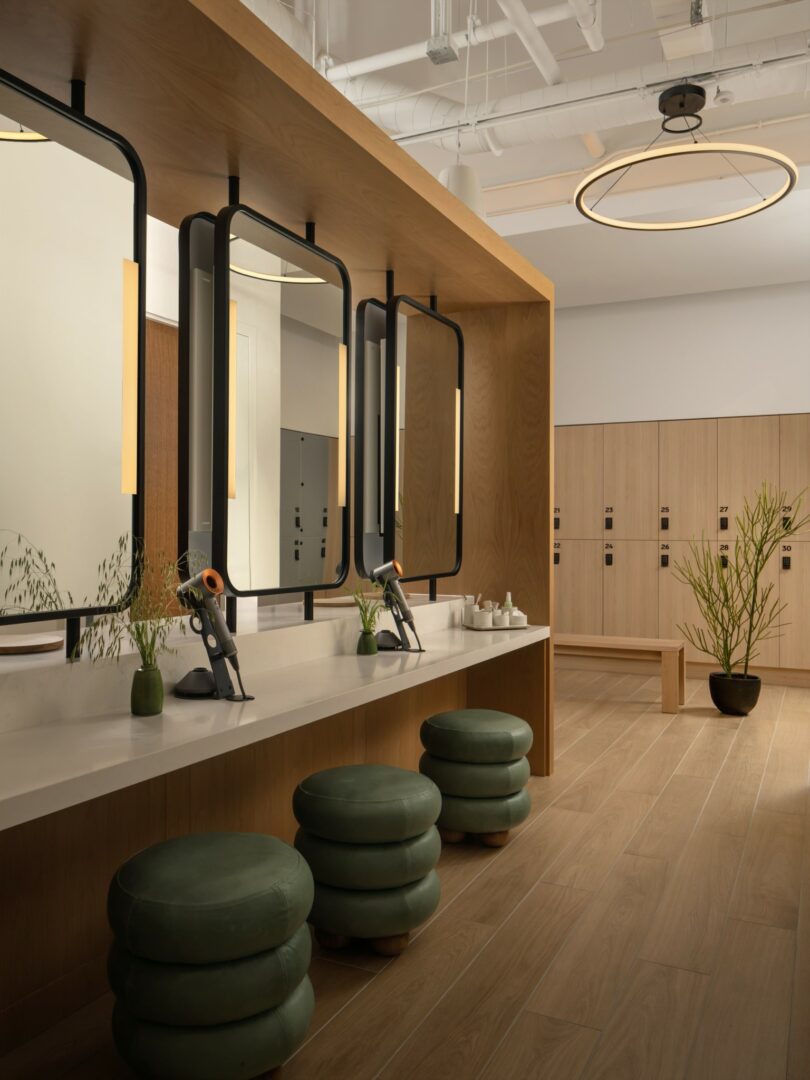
(737, 353)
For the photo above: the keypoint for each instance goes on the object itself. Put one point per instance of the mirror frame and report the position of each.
(391, 309)
(222, 291)
(39, 97)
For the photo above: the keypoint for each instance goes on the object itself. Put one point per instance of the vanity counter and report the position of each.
(51, 766)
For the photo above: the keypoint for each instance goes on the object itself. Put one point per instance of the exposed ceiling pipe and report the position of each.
(533, 41)
(769, 69)
(460, 39)
(282, 22)
(589, 20)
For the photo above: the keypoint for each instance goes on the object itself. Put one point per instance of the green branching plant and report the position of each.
(150, 616)
(370, 610)
(30, 579)
(738, 608)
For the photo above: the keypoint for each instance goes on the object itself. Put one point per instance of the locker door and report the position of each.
(630, 588)
(768, 651)
(747, 457)
(578, 586)
(794, 461)
(676, 601)
(631, 482)
(794, 590)
(687, 485)
(578, 482)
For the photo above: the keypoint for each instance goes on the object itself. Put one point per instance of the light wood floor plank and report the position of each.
(687, 929)
(784, 786)
(708, 752)
(493, 896)
(540, 1048)
(369, 1029)
(799, 1045)
(457, 1038)
(593, 968)
(587, 861)
(652, 773)
(743, 1030)
(769, 880)
(665, 830)
(649, 1035)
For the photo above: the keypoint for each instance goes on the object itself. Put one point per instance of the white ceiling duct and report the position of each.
(283, 22)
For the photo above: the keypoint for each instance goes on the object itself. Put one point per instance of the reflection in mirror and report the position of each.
(425, 371)
(70, 315)
(369, 413)
(284, 368)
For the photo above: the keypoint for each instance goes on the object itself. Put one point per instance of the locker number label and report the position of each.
(665, 547)
(608, 547)
(724, 547)
(608, 509)
(786, 547)
(723, 509)
(664, 509)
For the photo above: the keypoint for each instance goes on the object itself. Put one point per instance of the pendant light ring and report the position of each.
(685, 128)
(684, 150)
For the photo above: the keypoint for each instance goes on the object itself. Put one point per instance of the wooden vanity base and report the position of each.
(390, 946)
(495, 839)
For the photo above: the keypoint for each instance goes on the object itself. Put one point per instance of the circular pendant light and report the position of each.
(685, 102)
(23, 136)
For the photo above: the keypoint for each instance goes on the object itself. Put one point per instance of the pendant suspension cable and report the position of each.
(624, 172)
(728, 161)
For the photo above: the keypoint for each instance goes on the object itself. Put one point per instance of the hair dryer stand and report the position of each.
(200, 682)
(387, 640)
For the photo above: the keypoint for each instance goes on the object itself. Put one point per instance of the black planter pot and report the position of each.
(734, 695)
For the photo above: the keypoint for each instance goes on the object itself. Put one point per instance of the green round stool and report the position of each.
(368, 833)
(477, 758)
(237, 1051)
(176, 902)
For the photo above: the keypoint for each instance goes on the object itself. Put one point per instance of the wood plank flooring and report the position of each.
(650, 921)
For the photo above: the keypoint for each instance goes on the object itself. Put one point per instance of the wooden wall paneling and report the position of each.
(519, 683)
(747, 457)
(578, 481)
(630, 589)
(794, 461)
(794, 590)
(631, 481)
(578, 587)
(508, 455)
(391, 725)
(687, 484)
(676, 601)
(160, 511)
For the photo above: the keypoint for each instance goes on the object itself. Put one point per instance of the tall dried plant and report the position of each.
(738, 608)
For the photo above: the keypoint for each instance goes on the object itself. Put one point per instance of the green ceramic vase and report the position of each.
(147, 692)
(366, 643)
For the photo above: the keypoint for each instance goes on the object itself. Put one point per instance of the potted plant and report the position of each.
(148, 621)
(737, 607)
(370, 610)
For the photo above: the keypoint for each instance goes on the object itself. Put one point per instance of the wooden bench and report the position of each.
(673, 669)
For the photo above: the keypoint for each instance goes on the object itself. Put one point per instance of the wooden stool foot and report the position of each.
(328, 940)
(451, 836)
(494, 839)
(390, 946)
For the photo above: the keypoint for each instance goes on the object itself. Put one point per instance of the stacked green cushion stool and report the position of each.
(477, 758)
(368, 833)
(210, 959)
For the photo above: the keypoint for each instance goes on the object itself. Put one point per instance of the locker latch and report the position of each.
(723, 522)
(664, 522)
(724, 561)
(608, 560)
(556, 558)
(785, 522)
(785, 562)
(556, 523)
(665, 560)
(608, 522)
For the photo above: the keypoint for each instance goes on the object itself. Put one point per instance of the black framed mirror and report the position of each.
(409, 394)
(280, 520)
(72, 316)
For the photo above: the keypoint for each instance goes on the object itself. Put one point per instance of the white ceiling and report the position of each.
(528, 187)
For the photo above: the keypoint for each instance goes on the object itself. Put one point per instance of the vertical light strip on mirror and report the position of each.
(129, 380)
(343, 390)
(232, 313)
(457, 488)
(396, 446)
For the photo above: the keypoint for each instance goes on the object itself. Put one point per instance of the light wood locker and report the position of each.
(687, 479)
(578, 482)
(747, 457)
(794, 462)
(794, 590)
(630, 588)
(631, 482)
(676, 601)
(578, 586)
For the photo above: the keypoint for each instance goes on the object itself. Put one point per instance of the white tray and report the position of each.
(486, 629)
